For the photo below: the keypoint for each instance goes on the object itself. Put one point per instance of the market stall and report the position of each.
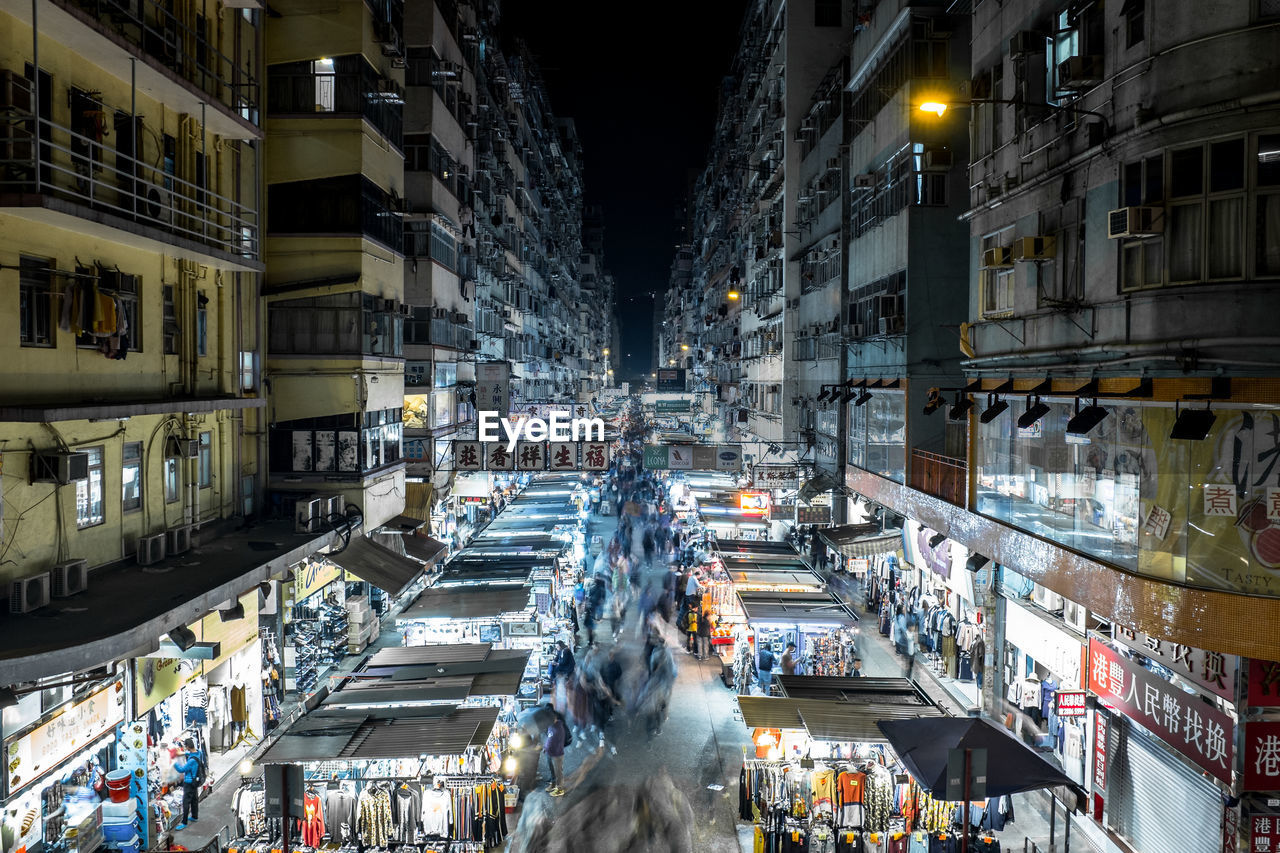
(822, 627)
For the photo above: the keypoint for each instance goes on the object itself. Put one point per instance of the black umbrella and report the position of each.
(925, 743)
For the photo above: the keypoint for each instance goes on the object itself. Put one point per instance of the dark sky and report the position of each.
(642, 89)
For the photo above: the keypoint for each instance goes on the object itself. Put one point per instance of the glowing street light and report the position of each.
(684, 347)
(934, 107)
(733, 294)
(606, 351)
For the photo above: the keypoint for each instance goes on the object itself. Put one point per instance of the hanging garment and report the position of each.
(374, 824)
(339, 814)
(437, 813)
(406, 806)
(850, 789)
(313, 820)
(239, 706)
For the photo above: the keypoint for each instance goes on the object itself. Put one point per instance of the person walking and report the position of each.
(912, 645)
(704, 634)
(764, 668)
(857, 669)
(900, 631)
(553, 746)
(691, 629)
(192, 768)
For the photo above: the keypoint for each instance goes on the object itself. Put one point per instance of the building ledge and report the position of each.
(39, 413)
(128, 608)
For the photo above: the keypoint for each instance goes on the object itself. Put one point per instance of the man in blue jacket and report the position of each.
(190, 765)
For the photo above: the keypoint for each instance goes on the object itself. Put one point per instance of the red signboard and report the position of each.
(1262, 757)
(1099, 753)
(1070, 703)
(472, 500)
(1194, 728)
(1264, 684)
(1264, 833)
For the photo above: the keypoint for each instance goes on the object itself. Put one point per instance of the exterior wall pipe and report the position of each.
(1170, 346)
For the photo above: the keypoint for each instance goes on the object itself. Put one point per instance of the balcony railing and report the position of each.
(160, 34)
(944, 477)
(81, 169)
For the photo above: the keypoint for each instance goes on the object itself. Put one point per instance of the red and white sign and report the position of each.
(1070, 703)
(1099, 753)
(1264, 833)
(754, 503)
(1193, 727)
(1262, 757)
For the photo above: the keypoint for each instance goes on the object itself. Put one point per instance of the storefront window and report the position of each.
(878, 434)
(1185, 511)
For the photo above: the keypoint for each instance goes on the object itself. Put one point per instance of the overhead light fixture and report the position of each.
(863, 397)
(232, 613)
(934, 401)
(8, 697)
(733, 294)
(183, 638)
(976, 562)
(962, 406)
(1086, 419)
(934, 107)
(824, 393)
(1193, 424)
(289, 577)
(937, 539)
(265, 589)
(995, 408)
(849, 394)
(1033, 413)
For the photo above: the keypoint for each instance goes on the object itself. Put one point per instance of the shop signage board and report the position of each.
(1264, 684)
(656, 457)
(531, 456)
(595, 456)
(704, 456)
(1264, 833)
(728, 457)
(562, 456)
(1213, 671)
(776, 477)
(813, 515)
(1070, 703)
(1231, 829)
(671, 379)
(1262, 756)
(1063, 654)
(131, 755)
(1100, 753)
(473, 500)
(1199, 731)
(671, 407)
(41, 750)
(469, 455)
(310, 578)
(692, 457)
(680, 457)
(937, 559)
(754, 503)
(493, 386)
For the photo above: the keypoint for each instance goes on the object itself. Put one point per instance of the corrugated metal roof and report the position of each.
(796, 608)
(378, 565)
(410, 655)
(823, 720)
(424, 548)
(749, 546)
(889, 691)
(384, 733)
(468, 602)
(748, 579)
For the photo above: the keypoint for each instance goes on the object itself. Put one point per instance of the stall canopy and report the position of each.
(485, 601)
(378, 565)
(847, 720)
(369, 733)
(861, 540)
(796, 608)
(924, 746)
(434, 674)
(424, 548)
(404, 523)
(743, 547)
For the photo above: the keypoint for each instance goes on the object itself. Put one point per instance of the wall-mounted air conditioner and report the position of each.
(30, 593)
(157, 202)
(864, 181)
(151, 549)
(1135, 222)
(1024, 43)
(1078, 72)
(183, 448)
(997, 258)
(58, 467)
(69, 578)
(178, 539)
(1035, 248)
(938, 159)
(891, 325)
(308, 515)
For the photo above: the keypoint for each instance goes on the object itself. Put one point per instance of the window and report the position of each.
(1269, 8)
(246, 494)
(131, 477)
(124, 289)
(35, 302)
(206, 460)
(1267, 206)
(996, 285)
(826, 13)
(171, 479)
(89, 492)
(170, 322)
(1134, 13)
(202, 327)
(248, 371)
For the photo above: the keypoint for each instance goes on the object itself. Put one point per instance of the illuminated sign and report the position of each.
(754, 503)
(1070, 703)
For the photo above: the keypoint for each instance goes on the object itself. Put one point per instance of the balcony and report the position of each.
(337, 87)
(78, 175)
(944, 477)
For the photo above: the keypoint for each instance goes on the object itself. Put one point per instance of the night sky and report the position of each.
(642, 89)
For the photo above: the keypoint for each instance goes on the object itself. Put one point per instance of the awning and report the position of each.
(424, 548)
(861, 540)
(403, 523)
(830, 721)
(740, 547)
(748, 580)
(796, 608)
(472, 485)
(378, 565)
(417, 500)
(363, 733)
(816, 485)
(468, 602)
(426, 677)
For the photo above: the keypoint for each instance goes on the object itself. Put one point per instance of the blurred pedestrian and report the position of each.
(553, 745)
(789, 660)
(704, 633)
(764, 667)
(912, 646)
(690, 628)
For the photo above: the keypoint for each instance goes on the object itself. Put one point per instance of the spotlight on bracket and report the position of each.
(863, 397)
(1193, 424)
(937, 539)
(961, 408)
(232, 613)
(976, 562)
(1033, 413)
(183, 638)
(1086, 419)
(934, 401)
(995, 408)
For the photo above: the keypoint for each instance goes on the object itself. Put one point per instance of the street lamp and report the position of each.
(684, 347)
(733, 294)
(606, 352)
(939, 107)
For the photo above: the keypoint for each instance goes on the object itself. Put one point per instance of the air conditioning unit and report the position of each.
(389, 306)
(27, 594)
(997, 258)
(1035, 248)
(459, 318)
(178, 539)
(151, 549)
(864, 181)
(406, 309)
(855, 330)
(793, 303)
(439, 313)
(938, 159)
(833, 162)
(334, 506)
(156, 202)
(183, 448)
(60, 468)
(891, 324)
(1078, 72)
(1024, 43)
(69, 578)
(1135, 222)
(308, 515)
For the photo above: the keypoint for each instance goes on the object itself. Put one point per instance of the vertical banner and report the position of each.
(493, 387)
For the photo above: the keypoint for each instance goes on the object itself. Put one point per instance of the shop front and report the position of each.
(316, 627)
(822, 627)
(56, 772)
(216, 702)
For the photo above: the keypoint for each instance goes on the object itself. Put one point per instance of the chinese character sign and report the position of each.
(1262, 756)
(595, 456)
(493, 384)
(530, 456)
(1070, 703)
(498, 458)
(1264, 833)
(468, 456)
(1157, 523)
(562, 456)
(1219, 500)
(1099, 752)
(1213, 671)
(1191, 726)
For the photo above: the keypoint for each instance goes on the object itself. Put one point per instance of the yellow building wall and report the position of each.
(294, 259)
(39, 523)
(306, 148)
